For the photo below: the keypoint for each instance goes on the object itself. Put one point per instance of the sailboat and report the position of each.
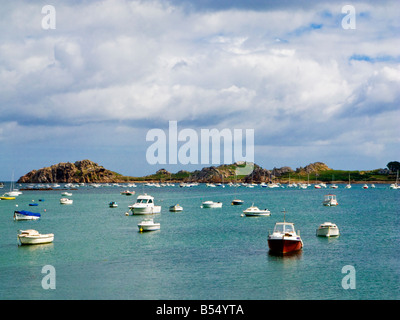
(395, 185)
(348, 186)
(236, 201)
(13, 192)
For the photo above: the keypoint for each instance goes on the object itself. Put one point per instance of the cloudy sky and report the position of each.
(111, 71)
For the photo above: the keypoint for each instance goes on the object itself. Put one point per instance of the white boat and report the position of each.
(175, 208)
(254, 211)
(34, 237)
(396, 184)
(328, 229)
(25, 215)
(148, 225)
(127, 193)
(237, 202)
(320, 185)
(13, 192)
(365, 186)
(211, 204)
(66, 194)
(348, 186)
(66, 201)
(330, 200)
(144, 205)
(113, 204)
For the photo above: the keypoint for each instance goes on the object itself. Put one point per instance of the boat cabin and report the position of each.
(145, 199)
(329, 197)
(284, 227)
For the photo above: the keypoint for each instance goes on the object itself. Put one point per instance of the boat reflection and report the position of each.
(293, 255)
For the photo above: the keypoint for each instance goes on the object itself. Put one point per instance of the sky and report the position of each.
(313, 82)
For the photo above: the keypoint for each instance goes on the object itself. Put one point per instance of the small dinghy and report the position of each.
(31, 236)
(25, 215)
(148, 225)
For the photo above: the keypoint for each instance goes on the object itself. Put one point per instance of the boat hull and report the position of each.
(328, 231)
(175, 209)
(237, 202)
(256, 214)
(330, 203)
(7, 198)
(284, 245)
(212, 205)
(25, 216)
(148, 227)
(145, 210)
(66, 201)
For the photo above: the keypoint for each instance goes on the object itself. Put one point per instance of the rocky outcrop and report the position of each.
(258, 175)
(66, 172)
(163, 172)
(208, 174)
(277, 172)
(313, 167)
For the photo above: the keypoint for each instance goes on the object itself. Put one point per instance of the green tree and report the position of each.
(393, 166)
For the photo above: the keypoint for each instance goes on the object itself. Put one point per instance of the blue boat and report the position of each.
(26, 215)
(33, 204)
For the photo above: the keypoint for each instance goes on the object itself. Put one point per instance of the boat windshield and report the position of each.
(283, 228)
(144, 201)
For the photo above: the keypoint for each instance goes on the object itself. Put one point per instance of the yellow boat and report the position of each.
(7, 198)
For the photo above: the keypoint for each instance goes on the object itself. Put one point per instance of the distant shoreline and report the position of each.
(178, 182)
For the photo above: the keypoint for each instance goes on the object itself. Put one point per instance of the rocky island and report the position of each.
(87, 171)
(65, 172)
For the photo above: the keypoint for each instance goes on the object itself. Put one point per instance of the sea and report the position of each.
(98, 252)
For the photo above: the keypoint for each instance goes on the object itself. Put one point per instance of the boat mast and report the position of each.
(284, 226)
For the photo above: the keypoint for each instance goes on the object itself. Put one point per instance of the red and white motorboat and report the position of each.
(284, 238)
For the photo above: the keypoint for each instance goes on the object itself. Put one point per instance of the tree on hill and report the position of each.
(393, 166)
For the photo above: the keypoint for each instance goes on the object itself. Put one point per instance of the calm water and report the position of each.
(98, 252)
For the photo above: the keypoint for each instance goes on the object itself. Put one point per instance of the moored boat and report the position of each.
(396, 184)
(144, 205)
(330, 200)
(237, 202)
(3, 197)
(284, 238)
(254, 211)
(31, 236)
(175, 208)
(66, 201)
(211, 204)
(113, 204)
(25, 215)
(128, 193)
(328, 229)
(148, 225)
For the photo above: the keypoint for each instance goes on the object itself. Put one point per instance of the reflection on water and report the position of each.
(39, 248)
(294, 255)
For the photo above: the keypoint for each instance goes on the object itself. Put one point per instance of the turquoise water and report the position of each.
(203, 254)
